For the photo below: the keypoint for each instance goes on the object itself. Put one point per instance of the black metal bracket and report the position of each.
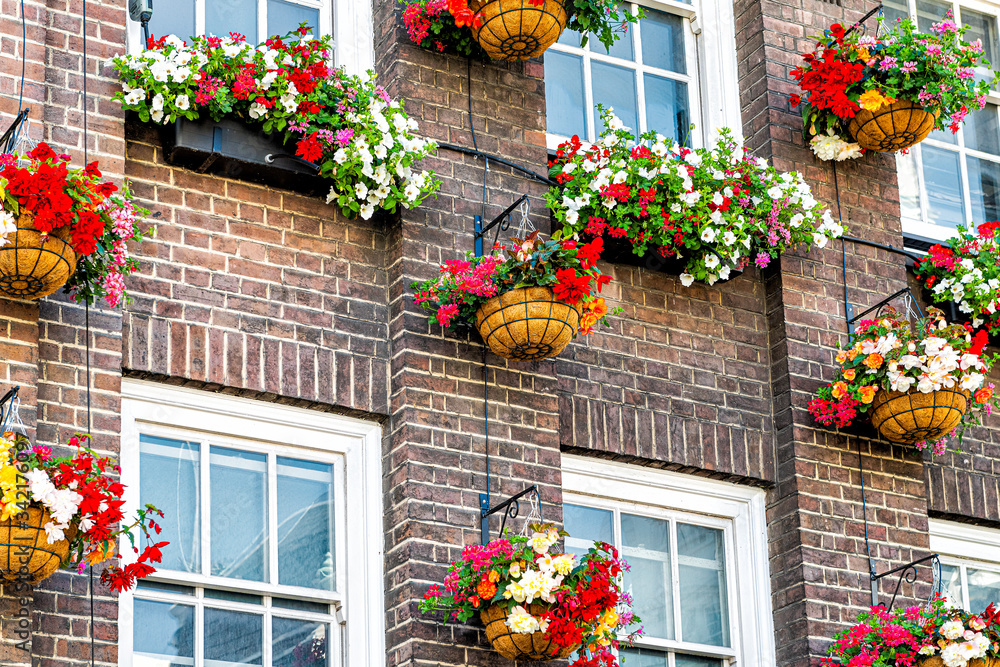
(877, 307)
(9, 138)
(860, 22)
(510, 508)
(535, 176)
(271, 157)
(907, 573)
(503, 220)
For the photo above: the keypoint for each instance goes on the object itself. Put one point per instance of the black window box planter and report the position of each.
(233, 149)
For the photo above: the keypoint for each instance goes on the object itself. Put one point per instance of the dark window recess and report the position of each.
(232, 149)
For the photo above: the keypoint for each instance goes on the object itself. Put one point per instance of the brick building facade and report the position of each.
(266, 295)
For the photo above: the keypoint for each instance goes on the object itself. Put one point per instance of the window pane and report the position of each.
(305, 524)
(646, 547)
(297, 643)
(633, 657)
(943, 181)
(667, 109)
(663, 41)
(284, 17)
(622, 47)
(169, 480)
(984, 188)
(909, 185)
(984, 27)
(982, 130)
(176, 19)
(162, 634)
(615, 87)
(701, 568)
(225, 16)
(984, 588)
(588, 523)
(564, 97)
(239, 510)
(568, 37)
(695, 661)
(929, 12)
(894, 10)
(951, 584)
(233, 638)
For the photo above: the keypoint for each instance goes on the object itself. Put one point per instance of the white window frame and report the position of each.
(712, 78)
(964, 545)
(923, 227)
(350, 22)
(170, 411)
(738, 510)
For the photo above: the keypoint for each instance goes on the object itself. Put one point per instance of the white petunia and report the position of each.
(687, 279)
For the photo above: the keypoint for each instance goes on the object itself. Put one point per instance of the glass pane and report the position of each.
(301, 605)
(615, 87)
(943, 181)
(245, 598)
(663, 41)
(929, 12)
(297, 643)
(951, 585)
(177, 20)
(305, 524)
(633, 657)
(667, 110)
(984, 27)
(695, 661)
(564, 97)
(284, 17)
(702, 573)
(982, 130)
(909, 185)
(588, 523)
(169, 480)
(163, 634)
(225, 16)
(622, 47)
(984, 188)
(895, 10)
(646, 547)
(233, 638)
(984, 588)
(239, 511)
(568, 37)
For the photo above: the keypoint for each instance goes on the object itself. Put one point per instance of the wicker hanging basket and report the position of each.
(516, 646)
(25, 552)
(914, 416)
(893, 127)
(527, 324)
(33, 265)
(936, 661)
(517, 29)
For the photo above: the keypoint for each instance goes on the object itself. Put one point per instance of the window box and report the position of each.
(233, 149)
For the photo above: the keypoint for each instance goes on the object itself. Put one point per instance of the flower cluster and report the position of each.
(357, 135)
(851, 70)
(101, 218)
(966, 271)
(903, 637)
(581, 597)
(887, 354)
(721, 207)
(84, 501)
(439, 24)
(566, 265)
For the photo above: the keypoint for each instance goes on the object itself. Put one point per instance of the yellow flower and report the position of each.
(863, 53)
(872, 100)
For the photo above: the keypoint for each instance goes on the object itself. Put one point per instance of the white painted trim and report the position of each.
(964, 541)
(743, 507)
(357, 442)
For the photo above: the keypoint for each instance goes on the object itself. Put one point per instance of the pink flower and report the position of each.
(446, 313)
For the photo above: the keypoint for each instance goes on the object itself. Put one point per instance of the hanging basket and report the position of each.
(936, 661)
(914, 416)
(893, 127)
(25, 552)
(516, 646)
(33, 265)
(518, 29)
(527, 324)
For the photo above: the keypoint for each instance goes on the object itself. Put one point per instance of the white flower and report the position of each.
(54, 533)
(366, 211)
(564, 564)
(831, 147)
(541, 542)
(231, 50)
(360, 190)
(340, 157)
(157, 103)
(182, 102)
(729, 238)
(708, 234)
(411, 191)
(711, 261)
(693, 159)
(521, 622)
(380, 152)
(135, 96)
(718, 199)
(258, 110)
(569, 168)
(687, 279)
(972, 382)
(819, 239)
(724, 273)
(157, 116)
(900, 382)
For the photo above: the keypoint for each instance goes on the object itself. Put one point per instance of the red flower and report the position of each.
(571, 287)
(795, 100)
(309, 148)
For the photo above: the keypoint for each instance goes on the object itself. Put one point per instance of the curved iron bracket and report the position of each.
(907, 573)
(510, 508)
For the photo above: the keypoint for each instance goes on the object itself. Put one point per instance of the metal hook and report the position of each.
(525, 226)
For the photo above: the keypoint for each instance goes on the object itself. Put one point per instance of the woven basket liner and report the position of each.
(516, 646)
(936, 661)
(517, 30)
(893, 127)
(32, 266)
(25, 552)
(914, 416)
(527, 324)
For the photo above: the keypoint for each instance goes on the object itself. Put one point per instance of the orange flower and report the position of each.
(486, 588)
(841, 357)
(587, 323)
(475, 601)
(598, 307)
(494, 576)
(100, 554)
(874, 360)
(849, 374)
(984, 394)
(839, 390)
(867, 394)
